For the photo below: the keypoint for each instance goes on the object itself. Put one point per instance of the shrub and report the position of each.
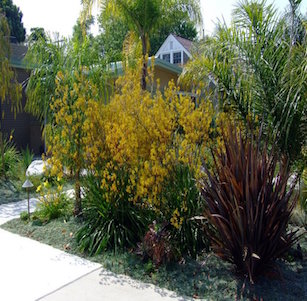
(53, 203)
(157, 245)
(248, 204)
(9, 163)
(182, 204)
(24, 216)
(153, 137)
(27, 157)
(110, 224)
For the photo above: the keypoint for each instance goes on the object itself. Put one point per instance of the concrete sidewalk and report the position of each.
(30, 270)
(12, 210)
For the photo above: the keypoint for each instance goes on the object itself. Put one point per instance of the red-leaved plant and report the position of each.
(156, 245)
(248, 203)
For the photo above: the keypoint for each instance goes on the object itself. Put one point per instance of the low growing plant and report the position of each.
(113, 223)
(10, 166)
(53, 203)
(27, 157)
(157, 245)
(249, 204)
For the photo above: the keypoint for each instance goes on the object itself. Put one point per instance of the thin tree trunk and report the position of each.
(78, 207)
(144, 67)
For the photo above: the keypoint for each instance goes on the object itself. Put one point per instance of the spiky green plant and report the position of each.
(249, 204)
(114, 224)
(27, 157)
(10, 161)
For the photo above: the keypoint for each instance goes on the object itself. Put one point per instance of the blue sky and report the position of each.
(61, 15)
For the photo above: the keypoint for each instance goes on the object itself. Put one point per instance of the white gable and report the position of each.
(170, 46)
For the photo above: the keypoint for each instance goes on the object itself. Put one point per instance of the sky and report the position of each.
(61, 15)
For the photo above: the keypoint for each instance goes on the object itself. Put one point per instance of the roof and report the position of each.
(18, 53)
(187, 44)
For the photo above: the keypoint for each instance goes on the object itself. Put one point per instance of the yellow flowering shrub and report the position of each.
(66, 133)
(142, 147)
(147, 135)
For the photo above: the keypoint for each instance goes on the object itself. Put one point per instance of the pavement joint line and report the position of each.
(69, 283)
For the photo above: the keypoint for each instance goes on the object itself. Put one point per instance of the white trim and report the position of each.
(164, 49)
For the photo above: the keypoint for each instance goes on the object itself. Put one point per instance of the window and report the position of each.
(185, 57)
(171, 45)
(177, 58)
(166, 57)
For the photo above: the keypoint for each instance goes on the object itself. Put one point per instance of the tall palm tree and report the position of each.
(258, 71)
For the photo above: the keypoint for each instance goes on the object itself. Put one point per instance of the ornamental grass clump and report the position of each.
(248, 204)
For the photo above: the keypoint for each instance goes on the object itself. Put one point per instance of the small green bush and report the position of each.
(53, 205)
(24, 216)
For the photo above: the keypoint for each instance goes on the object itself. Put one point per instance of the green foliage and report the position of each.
(112, 38)
(10, 162)
(37, 33)
(47, 58)
(249, 205)
(303, 193)
(10, 90)
(14, 19)
(27, 157)
(142, 18)
(112, 224)
(24, 216)
(180, 191)
(175, 18)
(256, 68)
(52, 206)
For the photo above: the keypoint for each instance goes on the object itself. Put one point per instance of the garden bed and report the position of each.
(207, 277)
(11, 191)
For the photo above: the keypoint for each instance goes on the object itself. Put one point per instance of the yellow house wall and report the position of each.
(164, 76)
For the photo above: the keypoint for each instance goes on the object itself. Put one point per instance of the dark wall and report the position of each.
(25, 129)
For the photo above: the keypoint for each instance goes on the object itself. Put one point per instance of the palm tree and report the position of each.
(258, 71)
(143, 16)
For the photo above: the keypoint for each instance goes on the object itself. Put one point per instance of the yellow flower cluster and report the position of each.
(146, 135)
(66, 135)
(176, 220)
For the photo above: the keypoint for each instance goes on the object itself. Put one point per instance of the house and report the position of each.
(24, 129)
(163, 71)
(169, 60)
(175, 50)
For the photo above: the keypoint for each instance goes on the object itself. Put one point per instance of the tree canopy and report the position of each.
(144, 17)
(257, 67)
(14, 19)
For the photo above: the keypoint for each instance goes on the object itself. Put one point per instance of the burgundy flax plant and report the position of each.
(248, 203)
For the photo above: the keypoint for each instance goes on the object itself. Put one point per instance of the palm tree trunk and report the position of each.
(144, 67)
